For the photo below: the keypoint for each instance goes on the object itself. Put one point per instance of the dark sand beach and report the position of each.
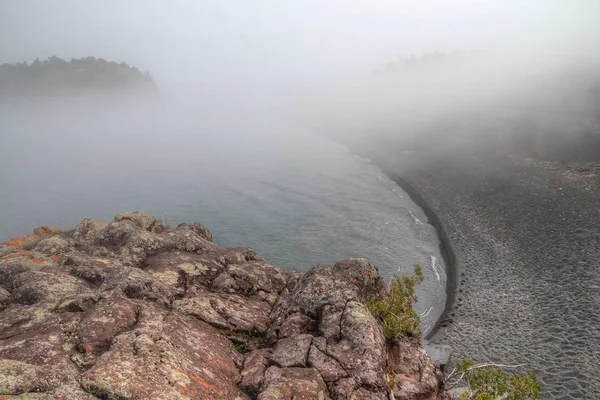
(523, 238)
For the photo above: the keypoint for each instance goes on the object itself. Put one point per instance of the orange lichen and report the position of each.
(10, 257)
(198, 387)
(25, 255)
(38, 233)
(58, 258)
(89, 348)
(366, 273)
(21, 241)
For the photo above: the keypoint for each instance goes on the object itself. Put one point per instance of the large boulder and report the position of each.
(132, 310)
(415, 374)
(166, 356)
(293, 384)
(141, 220)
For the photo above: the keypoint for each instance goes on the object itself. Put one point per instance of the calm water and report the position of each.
(297, 199)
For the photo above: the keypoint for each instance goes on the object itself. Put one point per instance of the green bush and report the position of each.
(239, 340)
(395, 310)
(489, 382)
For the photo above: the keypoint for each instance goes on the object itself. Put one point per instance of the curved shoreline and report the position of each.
(446, 248)
(521, 236)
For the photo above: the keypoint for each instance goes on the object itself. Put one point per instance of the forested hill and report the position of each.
(58, 76)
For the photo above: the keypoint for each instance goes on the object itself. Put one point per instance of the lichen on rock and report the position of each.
(132, 310)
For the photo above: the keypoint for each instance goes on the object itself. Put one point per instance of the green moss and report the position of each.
(239, 339)
(241, 335)
(7, 283)
(240, 348)
(395, 310)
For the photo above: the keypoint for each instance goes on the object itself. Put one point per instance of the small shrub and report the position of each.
(489, 382)
(395, 311)
(238, 339)
(240, 348)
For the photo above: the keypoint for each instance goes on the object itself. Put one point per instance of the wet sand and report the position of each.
(523, 241)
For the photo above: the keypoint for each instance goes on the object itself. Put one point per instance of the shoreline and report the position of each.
(446, 248)
(521, 239)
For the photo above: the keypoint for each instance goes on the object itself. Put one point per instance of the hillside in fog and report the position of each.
(58, 76)
(542, 107)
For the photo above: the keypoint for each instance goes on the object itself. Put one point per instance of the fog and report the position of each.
(316, 59)
(286, 126)
(267, 41)
(409, 73)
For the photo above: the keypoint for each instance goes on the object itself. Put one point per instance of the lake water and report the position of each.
(297, 198)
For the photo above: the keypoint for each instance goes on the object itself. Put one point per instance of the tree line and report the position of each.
(56, 75)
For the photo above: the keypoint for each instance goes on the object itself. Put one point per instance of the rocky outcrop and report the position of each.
(131, 310)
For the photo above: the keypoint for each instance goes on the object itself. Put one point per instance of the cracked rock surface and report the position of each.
(131, 310)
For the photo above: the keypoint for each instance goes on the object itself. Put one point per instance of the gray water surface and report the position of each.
(298, 200)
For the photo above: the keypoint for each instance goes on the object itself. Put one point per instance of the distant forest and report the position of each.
(555, 116)
(56, 76)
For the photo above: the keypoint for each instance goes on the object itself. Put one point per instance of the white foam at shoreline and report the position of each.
(417, 220)
(434, 267)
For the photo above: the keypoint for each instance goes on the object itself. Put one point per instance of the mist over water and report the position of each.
(242, 127)
(297, 200)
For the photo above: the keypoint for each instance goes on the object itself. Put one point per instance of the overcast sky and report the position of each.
(250, 39)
